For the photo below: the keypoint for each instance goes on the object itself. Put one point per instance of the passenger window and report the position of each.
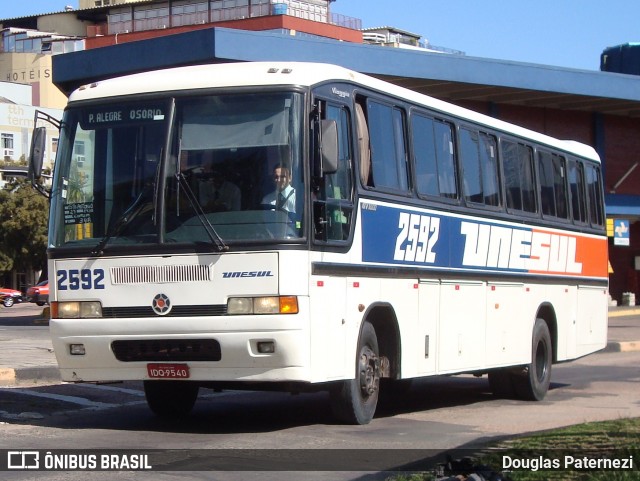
(446, 160)
(553, 189)
(517, 162)
(388, 147)
(594, 191)
(434, 160)
(479, 167)
(577, 191)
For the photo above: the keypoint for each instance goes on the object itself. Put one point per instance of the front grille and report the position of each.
(159, 274)
(176, 311)
(167, 350)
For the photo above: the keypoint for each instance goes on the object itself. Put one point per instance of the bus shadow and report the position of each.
(240, 412)
(440, 392)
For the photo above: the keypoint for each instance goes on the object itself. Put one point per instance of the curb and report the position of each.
(625, 346)
(624, 312)
(28, 374)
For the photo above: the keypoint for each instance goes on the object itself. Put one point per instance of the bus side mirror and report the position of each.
(36, 154)
(328, 147)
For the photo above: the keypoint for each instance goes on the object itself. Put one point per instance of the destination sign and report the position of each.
(114, 115)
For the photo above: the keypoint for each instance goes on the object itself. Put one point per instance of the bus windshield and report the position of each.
(220, 169)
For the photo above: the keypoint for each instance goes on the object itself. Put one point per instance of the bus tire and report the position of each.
(354, 401)
(533, 382)
(170, 399)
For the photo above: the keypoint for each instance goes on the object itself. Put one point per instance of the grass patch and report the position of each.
(570, 453)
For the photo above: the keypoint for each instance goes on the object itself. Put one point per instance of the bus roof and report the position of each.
(246, 74)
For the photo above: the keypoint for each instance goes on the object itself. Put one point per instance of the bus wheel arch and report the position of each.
(383, 318)
(547, 313)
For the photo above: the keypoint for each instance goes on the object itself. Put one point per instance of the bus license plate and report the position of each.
(168, 371)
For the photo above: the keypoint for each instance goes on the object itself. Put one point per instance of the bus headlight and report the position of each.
(262, 305)
(76, 310)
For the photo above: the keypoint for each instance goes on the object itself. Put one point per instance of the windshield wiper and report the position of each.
(197, 208)
(125, 218)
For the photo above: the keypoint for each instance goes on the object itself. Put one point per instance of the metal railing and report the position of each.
(345, 21)
(121, 23)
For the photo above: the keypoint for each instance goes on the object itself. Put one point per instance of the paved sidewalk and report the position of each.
(26, 352)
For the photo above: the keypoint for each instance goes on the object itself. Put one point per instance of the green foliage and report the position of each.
(23, 228)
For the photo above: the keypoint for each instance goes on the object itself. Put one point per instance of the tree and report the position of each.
(24, 215)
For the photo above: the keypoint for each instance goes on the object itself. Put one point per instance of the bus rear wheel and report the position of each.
(354, 401)
(531, 382)
(170, 399)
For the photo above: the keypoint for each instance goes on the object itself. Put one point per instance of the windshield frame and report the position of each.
(162, 244)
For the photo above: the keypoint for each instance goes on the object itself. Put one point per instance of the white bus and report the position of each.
(410, 238)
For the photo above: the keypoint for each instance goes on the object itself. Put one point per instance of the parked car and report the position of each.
(39, 293)
(9, 297)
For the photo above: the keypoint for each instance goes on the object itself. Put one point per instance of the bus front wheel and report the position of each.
(354, 401)
(170, 399)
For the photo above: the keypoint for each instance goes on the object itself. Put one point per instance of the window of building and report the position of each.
(189, 12)
(120, 21)
(79, 151)
(151, 17)
(6, 140)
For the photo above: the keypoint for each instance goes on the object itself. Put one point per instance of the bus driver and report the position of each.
(284, 197)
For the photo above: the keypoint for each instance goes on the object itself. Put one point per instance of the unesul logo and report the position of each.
(161, 304)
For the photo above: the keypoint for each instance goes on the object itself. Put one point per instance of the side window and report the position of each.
(519, 182)
(479, 167)
(489, 168)
(446, 159)
(339, 184)
(553, 189)
(575, 176)
(434, 160)
(333, 207)
(388, 147)
(594, 193)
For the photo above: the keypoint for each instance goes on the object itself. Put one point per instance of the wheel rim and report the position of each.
(369, 371)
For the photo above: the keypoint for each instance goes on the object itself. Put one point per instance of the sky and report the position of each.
(563, 33)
